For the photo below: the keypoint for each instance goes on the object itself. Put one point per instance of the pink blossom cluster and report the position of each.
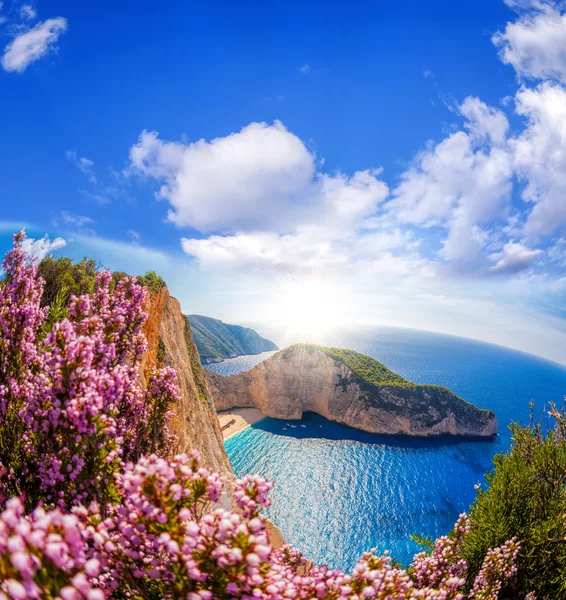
(93, 508)
(498, 565)
(72, 408)
(442, 566)
(20, 320)
(44, 551)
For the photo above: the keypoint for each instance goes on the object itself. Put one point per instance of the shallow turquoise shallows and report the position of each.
(340, 492)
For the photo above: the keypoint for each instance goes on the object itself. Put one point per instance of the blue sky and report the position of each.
(398, 163)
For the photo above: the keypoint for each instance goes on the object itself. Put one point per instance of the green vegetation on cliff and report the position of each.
(525, 496)
(63, 278)
(217, 340)
(364, 367)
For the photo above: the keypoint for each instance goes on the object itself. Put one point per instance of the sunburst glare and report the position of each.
(310, 308)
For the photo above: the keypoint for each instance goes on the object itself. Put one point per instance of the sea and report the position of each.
(340, 492)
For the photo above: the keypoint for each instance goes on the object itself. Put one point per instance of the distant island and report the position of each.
(216, 340)
(352, 389)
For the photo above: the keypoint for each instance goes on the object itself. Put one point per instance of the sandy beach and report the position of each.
(236, 419)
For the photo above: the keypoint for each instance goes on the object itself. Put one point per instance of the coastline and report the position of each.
(234, 420)
(218, 360)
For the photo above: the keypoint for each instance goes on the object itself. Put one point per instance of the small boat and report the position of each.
(304, 426)
(294, 426)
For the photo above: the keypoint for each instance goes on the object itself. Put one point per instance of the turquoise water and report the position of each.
(340, 492)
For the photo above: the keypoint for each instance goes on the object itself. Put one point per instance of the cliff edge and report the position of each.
(349, 388)
(194, 420)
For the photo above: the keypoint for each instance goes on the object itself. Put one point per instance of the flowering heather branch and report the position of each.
(498, 565)
(151, 434)
(20, 320)
(20, 357)
(44, 553)
(443, 562)
(72, 409)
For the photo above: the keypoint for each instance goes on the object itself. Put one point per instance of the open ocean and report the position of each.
(340, 492)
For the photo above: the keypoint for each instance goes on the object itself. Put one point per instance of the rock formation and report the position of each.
(194, 420)
(352, 389)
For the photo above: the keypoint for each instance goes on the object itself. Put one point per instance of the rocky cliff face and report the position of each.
(194, 420)
(300, 379)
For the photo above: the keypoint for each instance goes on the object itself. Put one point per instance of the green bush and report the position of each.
(526, 498)
(64, 278)
(152, 281)
(75, 278)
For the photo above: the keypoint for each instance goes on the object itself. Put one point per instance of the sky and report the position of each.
(300, 164)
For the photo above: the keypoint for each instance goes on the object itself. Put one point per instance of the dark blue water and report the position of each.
(340, 492)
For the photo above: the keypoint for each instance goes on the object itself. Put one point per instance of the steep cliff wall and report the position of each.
(307, 379)
(194, 420)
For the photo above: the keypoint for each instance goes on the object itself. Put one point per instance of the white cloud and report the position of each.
(484, 122)
(535, 44)
(465, 241)
(28, 12)
(461, 184)
(456, 173)
(520, 5)
(311, 248)
(261, 178)
(308, 248)
(40, 248)
(305, 69)
(459, 188)
(557, 253)
(247, 179)
(155, 158)
(513, 258)
(540, 156)
(33, 44)
(343, 200)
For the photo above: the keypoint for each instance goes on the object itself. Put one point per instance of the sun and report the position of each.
(309, 308)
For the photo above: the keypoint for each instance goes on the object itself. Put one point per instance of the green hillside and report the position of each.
(216, 340)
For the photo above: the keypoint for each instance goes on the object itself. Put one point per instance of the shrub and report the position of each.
(152, 281)
(64, 278)
(74, 278)
(526, 497)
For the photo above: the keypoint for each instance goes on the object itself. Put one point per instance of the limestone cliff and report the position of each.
(352, 389)
(194, 420)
